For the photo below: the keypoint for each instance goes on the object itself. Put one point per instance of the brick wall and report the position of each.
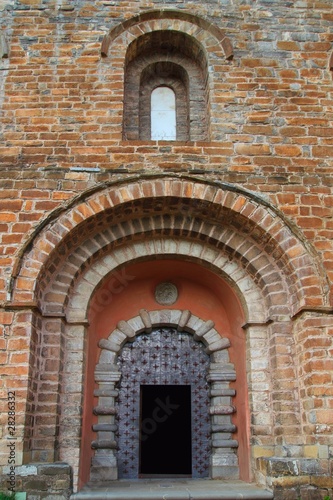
(269, 91)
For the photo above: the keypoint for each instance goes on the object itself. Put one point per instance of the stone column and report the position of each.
(224, 460)
(104, 463)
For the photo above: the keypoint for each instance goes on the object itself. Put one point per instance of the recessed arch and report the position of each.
(199, 45)
(253, 300)
(220, 373)
(166, 58)
(114, 312)
(226, 230)
(175, 77)
(253, 231)
(191, 21)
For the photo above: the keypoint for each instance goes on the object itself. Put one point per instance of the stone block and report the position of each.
(104, 410)
(23, 470)
(217, 392)
(225, 472)
(224, 458)
(218, 345)
(61, 484)
(137, 324)
(220, 376)
(126, 329)
(222, 410)
(54, 496)
(36, 485)
(103, 473)
(231, 428)
(104, 444)
(283, 467)
(314, 467)
(224, 443)
(105, 427)
(220, 356)
(54, 469)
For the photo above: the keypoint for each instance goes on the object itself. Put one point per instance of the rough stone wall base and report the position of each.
(297, 478)
(49, 481)
(289, 478)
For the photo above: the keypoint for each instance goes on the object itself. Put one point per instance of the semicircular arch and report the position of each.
(246, 229)
(160, 19)
(251, 297)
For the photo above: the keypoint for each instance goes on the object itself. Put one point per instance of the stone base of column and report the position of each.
(224, 466)
(104, 468)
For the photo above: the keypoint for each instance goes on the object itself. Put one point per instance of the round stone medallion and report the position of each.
(166, 294)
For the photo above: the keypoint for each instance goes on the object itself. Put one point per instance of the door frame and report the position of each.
(221, 374)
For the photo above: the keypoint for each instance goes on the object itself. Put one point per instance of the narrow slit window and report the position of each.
(163, 114)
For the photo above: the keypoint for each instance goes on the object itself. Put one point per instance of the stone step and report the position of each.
(172, 489)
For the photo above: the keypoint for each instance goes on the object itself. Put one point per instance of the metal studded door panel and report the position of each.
(163, 357)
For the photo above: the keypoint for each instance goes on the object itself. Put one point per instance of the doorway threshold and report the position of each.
(172, 489)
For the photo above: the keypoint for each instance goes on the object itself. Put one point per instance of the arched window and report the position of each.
(163, 114)
(175, 64)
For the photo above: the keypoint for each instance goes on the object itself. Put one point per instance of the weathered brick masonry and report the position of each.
(240, 208)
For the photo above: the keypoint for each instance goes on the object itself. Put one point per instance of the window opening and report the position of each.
(163, 114)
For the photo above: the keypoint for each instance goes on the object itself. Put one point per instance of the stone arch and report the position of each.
(221, 372)
(254, 302)
(147, 20)
(251, 227)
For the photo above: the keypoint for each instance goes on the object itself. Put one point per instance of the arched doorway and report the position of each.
(163, 356)
(217, 324)
(82, 257)
(163, 406)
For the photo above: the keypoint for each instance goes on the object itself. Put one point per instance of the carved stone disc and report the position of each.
(166, 294)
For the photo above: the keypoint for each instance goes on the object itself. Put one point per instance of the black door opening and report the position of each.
(165, 430)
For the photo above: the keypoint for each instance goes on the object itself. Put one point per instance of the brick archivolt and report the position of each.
(209, 34)
(228, 230)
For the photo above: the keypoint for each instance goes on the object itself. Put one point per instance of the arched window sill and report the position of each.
(158, 143)
(147, 142)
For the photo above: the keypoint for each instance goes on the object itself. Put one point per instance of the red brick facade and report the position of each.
(237, 212)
